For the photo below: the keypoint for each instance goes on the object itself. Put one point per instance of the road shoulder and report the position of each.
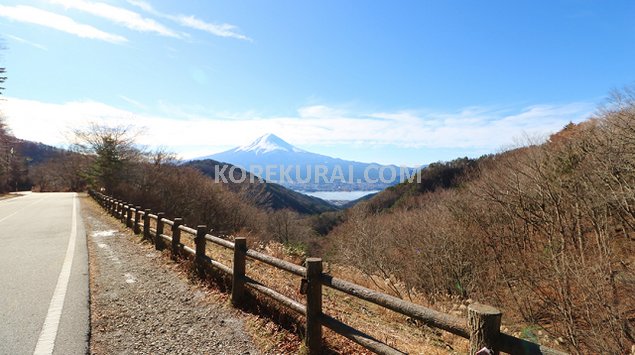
(140, 303)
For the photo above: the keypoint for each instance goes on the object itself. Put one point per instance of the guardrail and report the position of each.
(481, 328)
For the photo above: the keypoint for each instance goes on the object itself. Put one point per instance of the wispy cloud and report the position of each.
(133, 102)
(471, 129)
(221, 30)
(190, 21)
(119, 15)
(49, 19)
(22, 40)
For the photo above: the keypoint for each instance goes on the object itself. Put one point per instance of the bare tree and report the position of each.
(545, 232)
(114, 151)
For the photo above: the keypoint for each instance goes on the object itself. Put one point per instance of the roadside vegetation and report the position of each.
(7, 173)
(545, 232)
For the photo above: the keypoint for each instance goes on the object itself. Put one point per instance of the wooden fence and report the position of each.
(481, 328)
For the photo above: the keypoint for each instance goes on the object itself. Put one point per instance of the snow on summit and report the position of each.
(267, 144)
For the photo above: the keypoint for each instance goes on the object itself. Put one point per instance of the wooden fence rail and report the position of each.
(481, 328)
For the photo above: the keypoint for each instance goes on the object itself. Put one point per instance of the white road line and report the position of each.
(21, 209)
(46, 342)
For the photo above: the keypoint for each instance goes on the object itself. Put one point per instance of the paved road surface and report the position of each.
(43, 275)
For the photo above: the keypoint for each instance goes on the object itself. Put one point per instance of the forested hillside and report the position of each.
(26, 165)
(16, 159)
(266, 195)
(439, 175)
(546, 232)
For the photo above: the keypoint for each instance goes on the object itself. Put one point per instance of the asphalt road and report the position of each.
(43, 275)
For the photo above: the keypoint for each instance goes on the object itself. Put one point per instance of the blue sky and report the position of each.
(405, 82)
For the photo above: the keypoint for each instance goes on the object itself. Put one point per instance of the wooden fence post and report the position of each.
(137, 217)
(158, 241)
(129, 217)
(313, 340)
(112, 204)
(238, 278)
(484, 325)
(176, 238)
(199, 240)
(146, 223)
(124, 211)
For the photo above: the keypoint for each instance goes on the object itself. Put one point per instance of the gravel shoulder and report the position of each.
(140, 303)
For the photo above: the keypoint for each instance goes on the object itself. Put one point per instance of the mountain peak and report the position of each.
(267, 144)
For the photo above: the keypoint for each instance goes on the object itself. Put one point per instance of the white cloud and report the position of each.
(121, 16)
(32, 44)
(143, 6)
(190, 21)
(192, 135)
(133, 102)
(221, 30)
(49, 19)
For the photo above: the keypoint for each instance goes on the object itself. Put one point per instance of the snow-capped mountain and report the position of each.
(275, 160)
(267, 144)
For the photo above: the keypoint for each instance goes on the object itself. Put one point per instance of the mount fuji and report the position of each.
(275, 160)
(267, 144)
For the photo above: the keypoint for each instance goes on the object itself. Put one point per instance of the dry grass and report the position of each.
(279, 330)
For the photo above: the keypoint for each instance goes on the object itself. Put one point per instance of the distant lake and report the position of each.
(340, 195)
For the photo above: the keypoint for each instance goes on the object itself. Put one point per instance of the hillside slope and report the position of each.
(268, 195)
(544, 232)
(36, 153)
(440, 175)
